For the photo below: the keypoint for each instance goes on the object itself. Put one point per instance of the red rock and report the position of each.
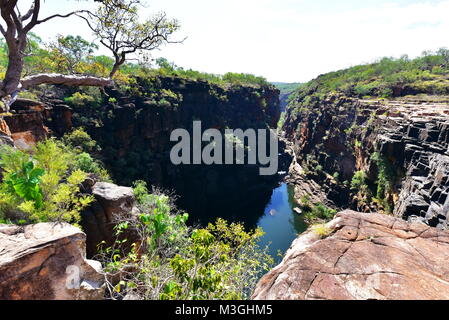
(47, 261)
(367, 256)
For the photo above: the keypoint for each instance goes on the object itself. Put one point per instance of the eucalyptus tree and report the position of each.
(117, 26)
(15, 27)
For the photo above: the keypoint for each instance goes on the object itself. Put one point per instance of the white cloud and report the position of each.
(283, 42)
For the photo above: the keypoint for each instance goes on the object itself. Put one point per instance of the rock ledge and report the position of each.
(46, 261)
(367, 256)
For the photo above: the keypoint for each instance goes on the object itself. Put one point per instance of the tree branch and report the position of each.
(54, 78)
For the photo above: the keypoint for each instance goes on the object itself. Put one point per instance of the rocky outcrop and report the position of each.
(339, 135)
(5, 134)
(26, 126)
(133, 129)
(27, 129)
(47, 262)
(112, 202)
(364, 256)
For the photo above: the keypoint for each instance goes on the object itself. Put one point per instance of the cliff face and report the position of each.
(134, 127)
(399, 148)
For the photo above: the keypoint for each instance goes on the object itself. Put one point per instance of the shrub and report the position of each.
(79, 99)
(81, 145)
(281, 121)
(42, 188)
(79, 138)
(86, 163)
(386, 175)
(359, 181)
(25, 183)
(173, 262)
(321, 230)
(316, 211)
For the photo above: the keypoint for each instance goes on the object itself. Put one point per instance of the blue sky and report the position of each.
(285, 40)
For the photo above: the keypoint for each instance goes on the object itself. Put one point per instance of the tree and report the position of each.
(15, 29)
(116, 23)
(70, 52)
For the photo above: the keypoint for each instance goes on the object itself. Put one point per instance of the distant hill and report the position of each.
(286, 90)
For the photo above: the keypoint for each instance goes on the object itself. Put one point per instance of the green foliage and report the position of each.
(173, 262)
(79, 99)
(25, 183)
(359, 181)
(79, 138)
(425, 74)
(321, 230)
(141, 193)
(287, 88)
(71, 54)
(316, 211)
(244, 78)
(44, 187)
(281, 121)
(386, 175)
(167, 68)
(85, 162)
(81, 145)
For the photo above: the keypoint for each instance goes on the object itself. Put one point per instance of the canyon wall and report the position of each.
(133, 130)
(398, 147)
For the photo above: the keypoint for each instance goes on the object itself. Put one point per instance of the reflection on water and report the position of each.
(280, 222)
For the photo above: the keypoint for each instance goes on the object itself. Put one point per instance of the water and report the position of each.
(281, 224)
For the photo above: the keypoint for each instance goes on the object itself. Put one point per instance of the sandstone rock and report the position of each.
(4, 129)
(27, 129)
(367, 256)
(42, 261)
(411, 135)
(98, 221)
(114, 199)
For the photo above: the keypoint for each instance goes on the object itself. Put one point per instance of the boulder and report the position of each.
(114, 199)
(47, 261)
(365, 256)
(98, 221)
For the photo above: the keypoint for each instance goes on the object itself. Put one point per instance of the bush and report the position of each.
(359, 181)
(42, 188)
(426, 74)
(385, 177)
(321, 230)
(79, 99)
(316, 211)
(79, 138)
(173, 262)
(86, 163)
(81, 145)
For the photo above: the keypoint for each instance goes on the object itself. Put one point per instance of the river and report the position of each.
(280, 222)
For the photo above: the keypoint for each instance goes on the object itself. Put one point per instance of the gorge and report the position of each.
(384, 157)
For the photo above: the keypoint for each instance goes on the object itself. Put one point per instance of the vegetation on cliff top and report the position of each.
(75, 55)
(388, 77)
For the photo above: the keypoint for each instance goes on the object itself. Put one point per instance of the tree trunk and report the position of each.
(54, 78)
(114, 70)
(16, 48)
(119, 60)
(13, 73)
